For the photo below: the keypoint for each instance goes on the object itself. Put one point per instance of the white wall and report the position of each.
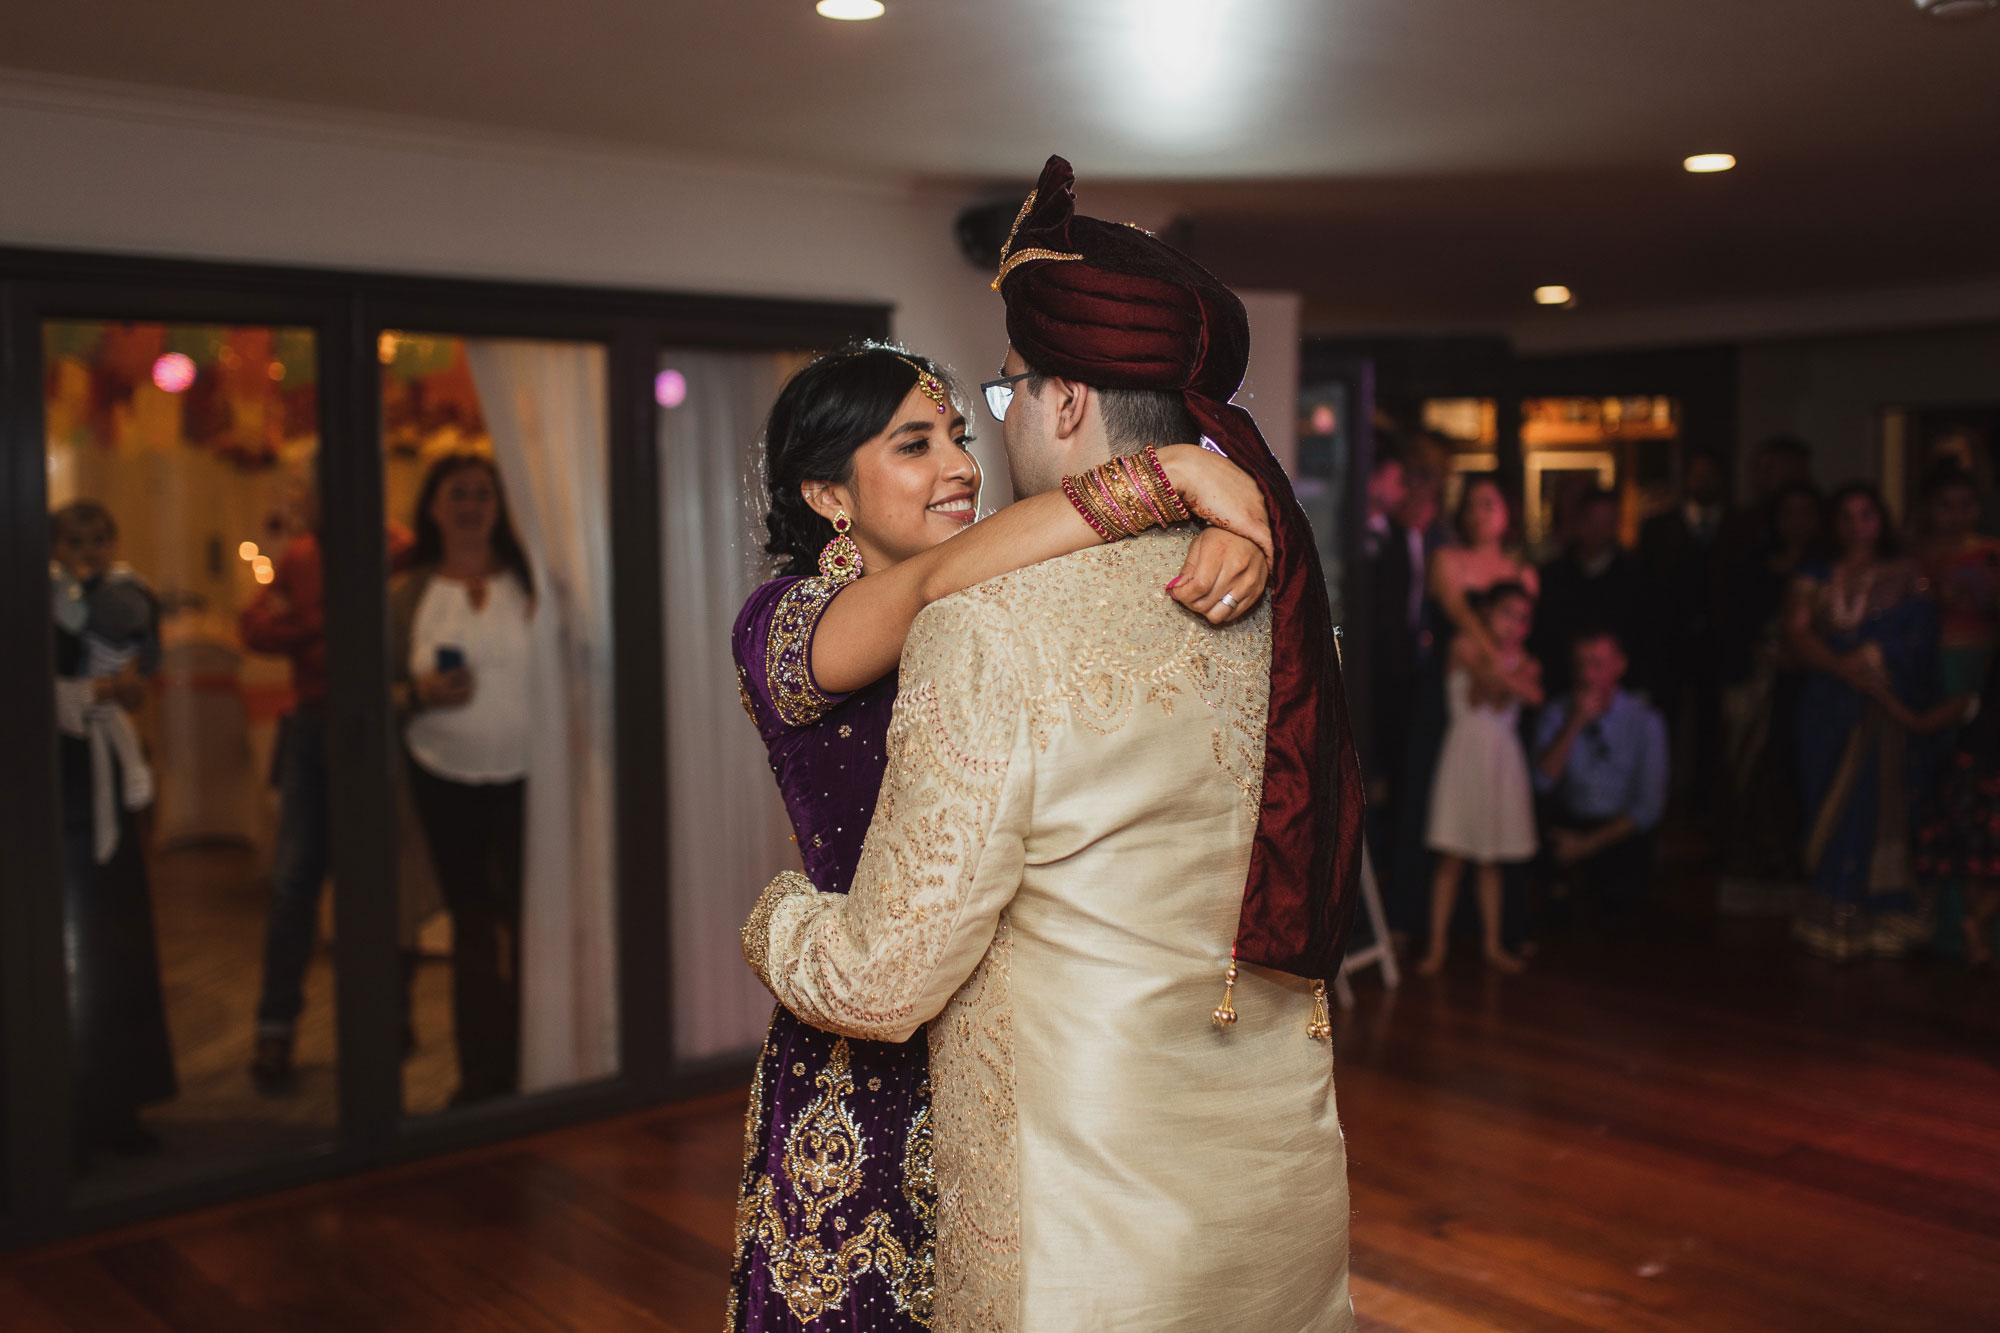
(1831, 390)
(96, 166)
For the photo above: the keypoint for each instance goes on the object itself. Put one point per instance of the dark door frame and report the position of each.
(347, 311)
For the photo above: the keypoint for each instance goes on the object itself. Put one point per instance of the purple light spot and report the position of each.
(670, 388)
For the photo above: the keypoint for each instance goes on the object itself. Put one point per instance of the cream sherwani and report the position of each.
(1052, 882)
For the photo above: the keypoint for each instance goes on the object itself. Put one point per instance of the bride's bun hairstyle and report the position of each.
(823, 414)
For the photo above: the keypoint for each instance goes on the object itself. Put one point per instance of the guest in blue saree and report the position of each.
(1866, 628)
(869, 472)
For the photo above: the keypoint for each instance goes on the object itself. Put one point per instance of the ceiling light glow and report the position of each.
(1703, 163)
(1553, 295)
(1957, 9)
(1185, 76)
(852, 11)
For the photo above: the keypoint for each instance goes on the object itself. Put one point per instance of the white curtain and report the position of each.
(729, 830)
(546, 408)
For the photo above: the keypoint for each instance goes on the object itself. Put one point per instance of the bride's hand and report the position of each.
(1220, 562)
(1219, 492)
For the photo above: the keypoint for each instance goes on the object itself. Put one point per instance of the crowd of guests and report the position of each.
(461, 604)
(1808, 687)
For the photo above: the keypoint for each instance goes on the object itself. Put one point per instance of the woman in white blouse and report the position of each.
(460, 642)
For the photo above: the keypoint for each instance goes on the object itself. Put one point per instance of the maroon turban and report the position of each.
(1109, 305)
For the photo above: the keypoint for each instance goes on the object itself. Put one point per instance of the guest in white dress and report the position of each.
(1482, 802)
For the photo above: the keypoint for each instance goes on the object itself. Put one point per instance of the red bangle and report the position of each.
(1083, 510)
(1180, 508)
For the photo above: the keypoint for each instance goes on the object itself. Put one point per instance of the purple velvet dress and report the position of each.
(834, 1222)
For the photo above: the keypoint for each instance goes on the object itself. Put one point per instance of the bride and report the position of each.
(869, 472)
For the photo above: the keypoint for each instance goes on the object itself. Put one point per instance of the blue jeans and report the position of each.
(298, 868)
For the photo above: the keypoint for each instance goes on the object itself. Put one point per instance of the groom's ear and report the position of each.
(1067, 403)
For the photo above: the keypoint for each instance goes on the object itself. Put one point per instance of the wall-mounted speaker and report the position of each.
(982, 229)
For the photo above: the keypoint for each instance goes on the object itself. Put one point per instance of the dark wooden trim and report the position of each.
(645, 954)
(362, 754)
(105, 286)
(34, 1036)
(346, 312)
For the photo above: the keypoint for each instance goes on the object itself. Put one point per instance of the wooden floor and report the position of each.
(209, 906)
(1707, 1134)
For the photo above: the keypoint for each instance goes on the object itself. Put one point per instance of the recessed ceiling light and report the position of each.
(1554, 295)
(851, 10)
(1707, 162)
(1957, 9)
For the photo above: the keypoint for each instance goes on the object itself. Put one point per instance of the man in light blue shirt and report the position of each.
(1601, 766)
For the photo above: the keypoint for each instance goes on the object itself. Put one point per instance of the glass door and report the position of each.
(190, 648)
(500, 657)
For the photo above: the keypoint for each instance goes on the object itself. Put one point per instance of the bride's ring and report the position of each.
(1229, 600)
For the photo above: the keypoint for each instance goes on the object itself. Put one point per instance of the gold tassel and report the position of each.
(1225, 1013)
(1321, 1028)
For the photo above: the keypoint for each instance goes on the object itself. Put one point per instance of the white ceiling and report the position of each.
(1421, 159)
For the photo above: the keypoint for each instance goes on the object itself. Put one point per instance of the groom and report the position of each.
(1095, 802)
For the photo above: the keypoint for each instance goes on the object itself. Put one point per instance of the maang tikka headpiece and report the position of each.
(929, 385)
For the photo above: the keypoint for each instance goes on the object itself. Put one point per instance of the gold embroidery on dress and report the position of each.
(823, 1153)
(743, 693)
(788, 652)
(746, 1194)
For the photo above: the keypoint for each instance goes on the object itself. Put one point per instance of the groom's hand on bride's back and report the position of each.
(1221, 563)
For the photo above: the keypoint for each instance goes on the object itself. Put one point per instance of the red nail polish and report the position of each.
(1178, 580)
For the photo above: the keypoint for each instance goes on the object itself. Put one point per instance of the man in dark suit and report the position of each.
(1387, 578)
(1593, 583)
(1678, 555)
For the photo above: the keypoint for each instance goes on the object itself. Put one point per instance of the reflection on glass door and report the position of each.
(189, 669)
(501, 651)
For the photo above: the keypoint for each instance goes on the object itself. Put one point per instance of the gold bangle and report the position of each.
(1120, 483)
(1100, 482)
(1136, 474)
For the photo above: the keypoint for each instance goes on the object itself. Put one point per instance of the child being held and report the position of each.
(1482, 803)
(109, 642)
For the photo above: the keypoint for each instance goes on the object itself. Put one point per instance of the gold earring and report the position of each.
(840, 559)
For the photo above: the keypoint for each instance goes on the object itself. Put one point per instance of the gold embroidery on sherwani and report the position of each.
(823, 1153)
(757, 927)
(1095, 669)
(788, 652)
(978, 1148)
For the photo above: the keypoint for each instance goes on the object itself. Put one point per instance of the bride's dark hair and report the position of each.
(823, 414)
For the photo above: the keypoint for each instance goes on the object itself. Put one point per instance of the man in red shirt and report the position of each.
(288, 618)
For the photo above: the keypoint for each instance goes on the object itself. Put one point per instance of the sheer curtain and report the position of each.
(729, 830)
(545, 406)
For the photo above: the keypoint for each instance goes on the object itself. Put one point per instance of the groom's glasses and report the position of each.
(1000, 393)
